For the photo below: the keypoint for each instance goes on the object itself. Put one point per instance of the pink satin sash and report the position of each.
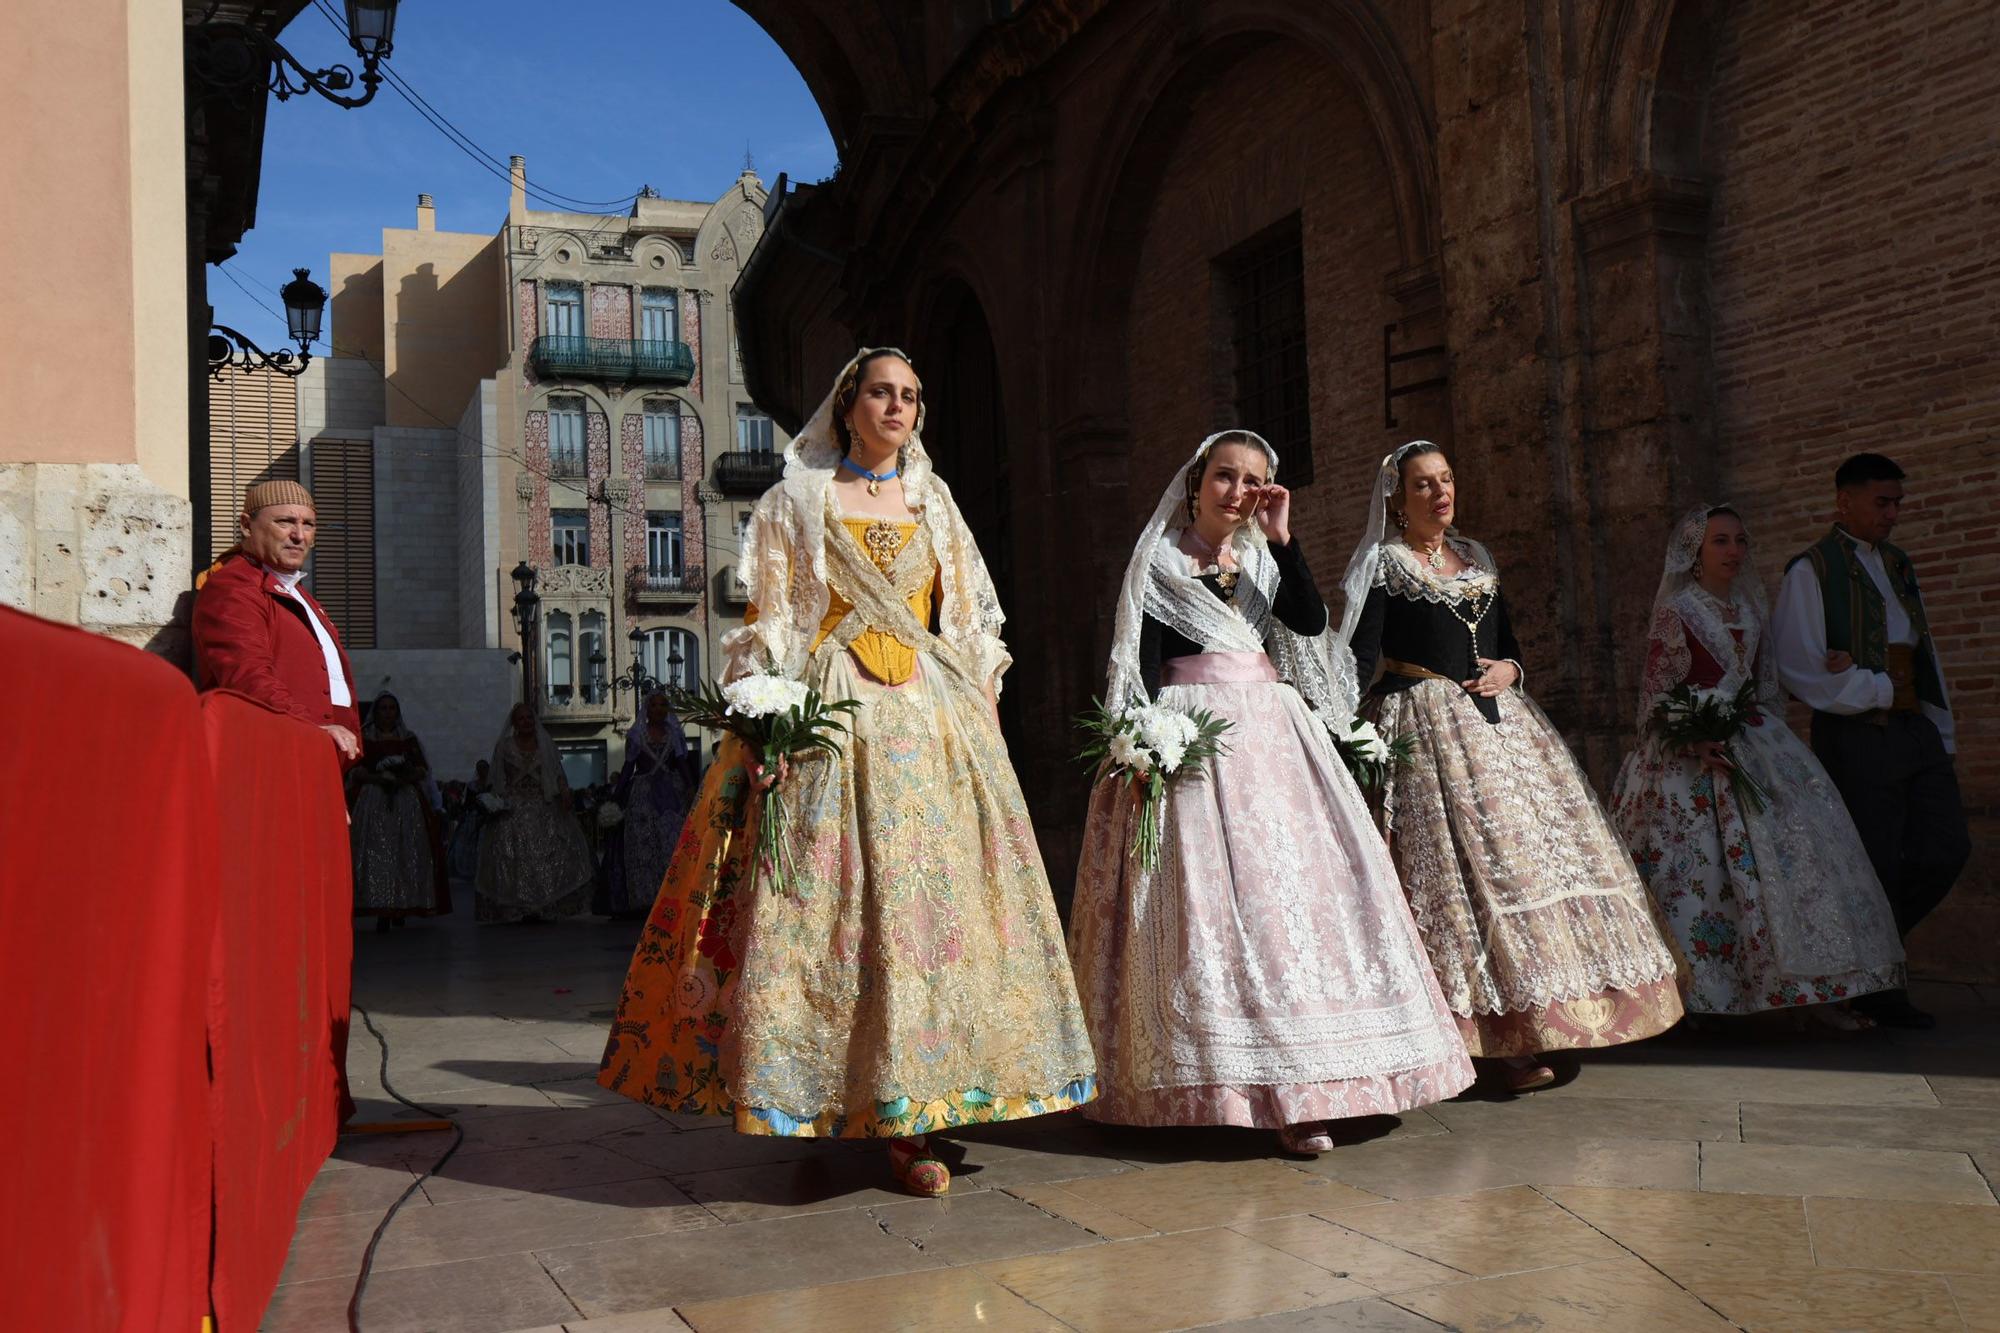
(1218, 669)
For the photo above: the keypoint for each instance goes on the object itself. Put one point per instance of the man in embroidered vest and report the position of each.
(256, 631)
(1853, 643)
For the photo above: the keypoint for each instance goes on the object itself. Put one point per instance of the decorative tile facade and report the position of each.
(632, 465)
(691, 334)
(597, 441)
(528, 310)
(535, 459)
(610, 310)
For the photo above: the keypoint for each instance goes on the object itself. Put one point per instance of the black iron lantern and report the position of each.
(371, 24)
(305, 302)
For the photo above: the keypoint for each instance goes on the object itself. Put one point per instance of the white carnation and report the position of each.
(763, 696)
(1367, 742)
(1128, 753)
(1172, 755)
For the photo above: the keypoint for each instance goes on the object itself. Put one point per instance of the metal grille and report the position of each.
(253, 437)
(343, 563)
(1267, 288)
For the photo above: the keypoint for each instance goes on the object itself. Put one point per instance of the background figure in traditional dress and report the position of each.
(399, 866)
(1541, 933)
(652, 793)
(1854, 645)
(533, 861)
(1774, 906)
(1267, 973)
(910, 974)
(462, 854)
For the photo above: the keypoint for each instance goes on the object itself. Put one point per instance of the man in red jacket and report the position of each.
(256, 631)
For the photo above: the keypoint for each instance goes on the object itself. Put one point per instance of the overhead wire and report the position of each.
(466, 144)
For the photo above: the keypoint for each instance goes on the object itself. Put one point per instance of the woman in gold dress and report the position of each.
(909, 975)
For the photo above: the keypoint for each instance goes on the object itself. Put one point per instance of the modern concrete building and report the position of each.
(563, 393)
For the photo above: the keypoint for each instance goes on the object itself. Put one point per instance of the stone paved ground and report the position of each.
(1758, 1179)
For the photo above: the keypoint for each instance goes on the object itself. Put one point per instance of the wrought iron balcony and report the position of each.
(624, 360)
(748, 473)
(665, 586)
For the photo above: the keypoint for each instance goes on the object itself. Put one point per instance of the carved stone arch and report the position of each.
(1629, 71)
(858, 60)
(1174, 64)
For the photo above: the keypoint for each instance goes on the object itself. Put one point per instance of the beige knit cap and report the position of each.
(278, 492)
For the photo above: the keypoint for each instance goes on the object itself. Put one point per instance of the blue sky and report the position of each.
(600, 98)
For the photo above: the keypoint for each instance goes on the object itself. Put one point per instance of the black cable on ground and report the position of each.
(375, 1239)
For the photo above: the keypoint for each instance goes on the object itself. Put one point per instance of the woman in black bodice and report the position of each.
(1541, 933)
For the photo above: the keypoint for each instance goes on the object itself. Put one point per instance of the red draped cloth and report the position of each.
(108, 877)
(174, 964)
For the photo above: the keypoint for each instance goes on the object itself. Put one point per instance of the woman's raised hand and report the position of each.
(1272, 508)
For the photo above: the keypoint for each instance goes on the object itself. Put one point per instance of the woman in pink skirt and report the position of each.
(1268, 972)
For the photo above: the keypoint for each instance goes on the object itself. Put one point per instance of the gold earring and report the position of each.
(1402, 520)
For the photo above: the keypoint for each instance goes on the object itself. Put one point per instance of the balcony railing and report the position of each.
(751, 473)
(625, 360)
(663, 469)
(656, 585)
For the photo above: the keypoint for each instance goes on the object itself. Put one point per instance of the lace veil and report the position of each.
(1159, 581)
(784, 553)
(546, 763)
(1681, 601)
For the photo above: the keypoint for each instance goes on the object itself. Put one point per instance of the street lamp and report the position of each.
(305, 302)
(234, 59)
(526, 606)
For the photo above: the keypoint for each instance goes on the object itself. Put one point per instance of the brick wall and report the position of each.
(1243, 163)
(1856, 297)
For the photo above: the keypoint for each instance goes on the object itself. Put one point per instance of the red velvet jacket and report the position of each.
(252, 637)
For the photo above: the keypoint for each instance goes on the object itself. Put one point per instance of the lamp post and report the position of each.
(230, 59)
(527, 605)
(305, 302)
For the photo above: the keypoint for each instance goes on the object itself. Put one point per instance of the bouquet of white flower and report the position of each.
(1369, 756)
(491, 804)
(777, 718)
(609, 816)
(1145, 745)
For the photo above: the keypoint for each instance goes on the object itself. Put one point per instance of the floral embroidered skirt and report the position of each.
(910, 977)
(1541, 934)
(1268, 972)
(1773, 907)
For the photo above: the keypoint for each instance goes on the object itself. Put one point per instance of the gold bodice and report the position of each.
(881, 654)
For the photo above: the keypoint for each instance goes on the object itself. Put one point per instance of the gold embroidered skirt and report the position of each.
(909, 978)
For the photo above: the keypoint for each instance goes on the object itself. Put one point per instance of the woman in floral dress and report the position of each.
(909, 975)
(1773, 907)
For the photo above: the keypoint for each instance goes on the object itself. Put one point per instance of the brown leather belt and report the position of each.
(1411, 669)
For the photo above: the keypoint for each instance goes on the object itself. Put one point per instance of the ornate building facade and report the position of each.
(1619, 255)
(563, 394)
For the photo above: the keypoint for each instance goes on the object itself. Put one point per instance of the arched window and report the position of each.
(672, 657)
(561, 657)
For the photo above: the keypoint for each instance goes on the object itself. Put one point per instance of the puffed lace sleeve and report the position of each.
(765, 643)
